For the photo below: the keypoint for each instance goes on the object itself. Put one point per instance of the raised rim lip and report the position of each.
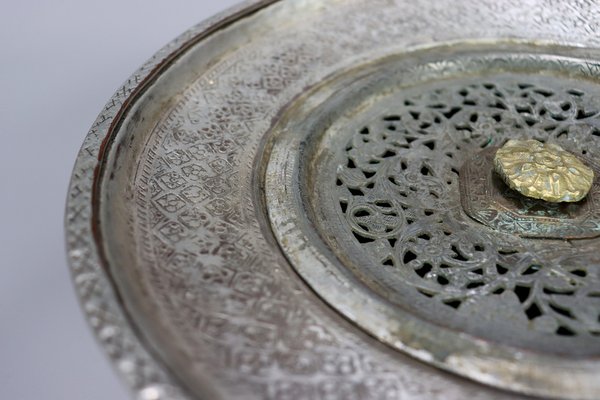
(142, 372)
(317, 267)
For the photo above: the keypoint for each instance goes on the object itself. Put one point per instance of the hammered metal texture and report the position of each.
(168, 238)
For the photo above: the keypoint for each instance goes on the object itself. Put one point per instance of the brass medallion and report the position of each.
(486, 198)
(543, 171)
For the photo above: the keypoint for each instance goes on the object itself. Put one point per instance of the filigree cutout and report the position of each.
(399, 189)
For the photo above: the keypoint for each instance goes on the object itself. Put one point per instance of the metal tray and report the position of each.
(292, 201)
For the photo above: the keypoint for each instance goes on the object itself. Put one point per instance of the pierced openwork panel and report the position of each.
(397, 184)
(381, 191)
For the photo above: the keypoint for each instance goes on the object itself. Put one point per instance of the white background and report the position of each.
(60, 62)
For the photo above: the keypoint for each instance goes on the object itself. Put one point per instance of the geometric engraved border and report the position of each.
(144, 376)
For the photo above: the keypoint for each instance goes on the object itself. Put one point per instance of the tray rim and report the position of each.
(137, 367)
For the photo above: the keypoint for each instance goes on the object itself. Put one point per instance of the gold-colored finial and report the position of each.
(543, 171)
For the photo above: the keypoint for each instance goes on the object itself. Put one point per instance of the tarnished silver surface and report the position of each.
(211, 180)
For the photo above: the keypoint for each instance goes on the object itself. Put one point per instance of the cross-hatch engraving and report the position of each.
(398, 190)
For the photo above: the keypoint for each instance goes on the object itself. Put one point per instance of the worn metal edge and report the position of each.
(142, 373)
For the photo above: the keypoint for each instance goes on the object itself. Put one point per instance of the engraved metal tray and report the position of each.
(295, 200)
